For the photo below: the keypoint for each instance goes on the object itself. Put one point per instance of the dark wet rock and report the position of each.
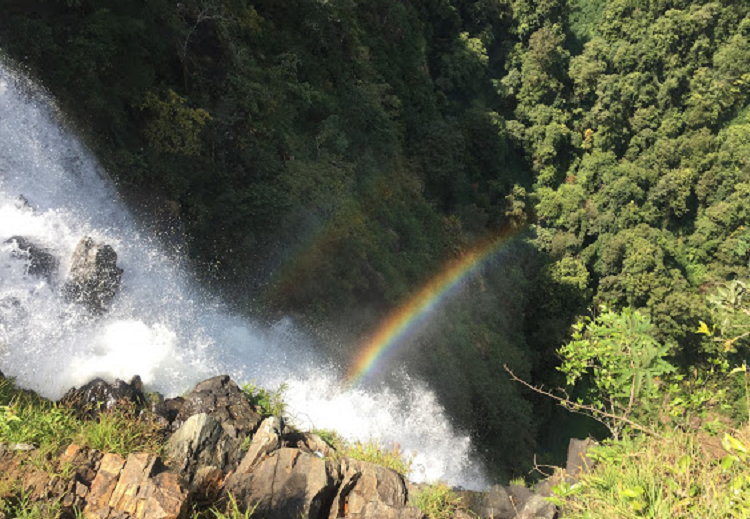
(94, 277)
(99, 395)
(221, 398)
(168, 408)
(288, 483)
(42, 263)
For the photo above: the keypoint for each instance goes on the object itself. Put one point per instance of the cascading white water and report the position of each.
(161, 325)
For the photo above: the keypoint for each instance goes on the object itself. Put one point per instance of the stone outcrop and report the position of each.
(99, 395)
(309, 442)
(266, 440)
(136, 488)
(288, 483)
(370, 491)
(41, 262)
(221, 398)
(203, 452)
(94, 277)
(495, 503)
(220, 447)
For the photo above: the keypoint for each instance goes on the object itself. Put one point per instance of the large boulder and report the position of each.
(94, 277)
(99, 395)
(370, 491)
(41, 262)
(221, 398)
(287, 483)
(203, 452)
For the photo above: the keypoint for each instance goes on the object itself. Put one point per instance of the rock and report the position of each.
(103, 486)
(266, 440)
(200, 447)
(221, 398)
(577, 462)
(310, 443)
(537, 508)
(370, 491)
(288, 483)
(41, 262)
(1, 375)
(544, 487)
(493, 504)
(138, 488)
(94, 277)
(169, 408)
(98, 395)
(519, 495)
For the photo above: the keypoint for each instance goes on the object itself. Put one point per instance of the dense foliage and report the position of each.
(328, 156)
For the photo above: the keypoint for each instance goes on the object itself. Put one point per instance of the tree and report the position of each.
(619, 362)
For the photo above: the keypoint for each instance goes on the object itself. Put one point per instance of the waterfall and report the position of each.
(162, 325)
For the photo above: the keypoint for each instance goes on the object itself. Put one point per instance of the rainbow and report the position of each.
(408, 318)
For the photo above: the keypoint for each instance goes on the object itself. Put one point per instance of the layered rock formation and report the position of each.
(217, 446)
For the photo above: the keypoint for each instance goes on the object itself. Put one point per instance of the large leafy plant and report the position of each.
(618, 363)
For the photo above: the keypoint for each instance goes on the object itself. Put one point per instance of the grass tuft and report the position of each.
(437, 501)
(683, 475)
(27, 418)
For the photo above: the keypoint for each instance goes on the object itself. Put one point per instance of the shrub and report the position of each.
(267, 402)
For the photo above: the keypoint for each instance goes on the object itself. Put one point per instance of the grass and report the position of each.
(27, 418)
(437, 501)
(17, 503)
(681, 475)
(233, 510)
(373, 452)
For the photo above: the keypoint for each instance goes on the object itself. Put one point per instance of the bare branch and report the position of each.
(581, 408)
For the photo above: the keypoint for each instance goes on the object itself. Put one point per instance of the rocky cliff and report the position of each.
(218, 452)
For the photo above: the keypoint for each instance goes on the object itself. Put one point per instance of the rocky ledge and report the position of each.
(217, 445)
